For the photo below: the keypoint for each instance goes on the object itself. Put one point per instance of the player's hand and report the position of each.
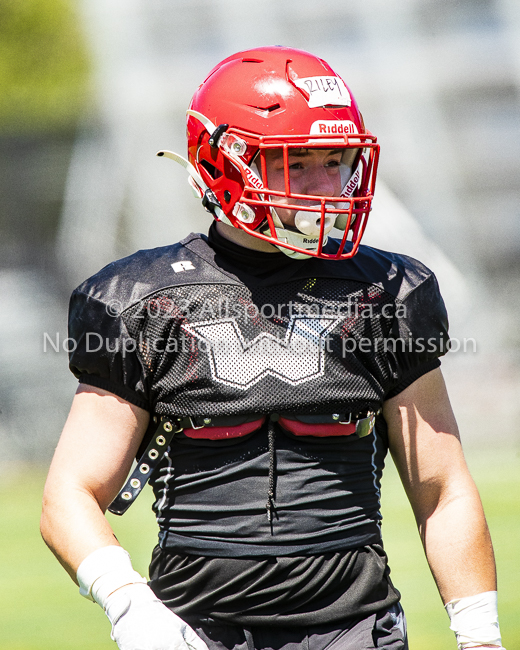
(140, 621)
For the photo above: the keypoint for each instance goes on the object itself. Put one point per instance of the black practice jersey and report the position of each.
(205, 328)
(181, 330)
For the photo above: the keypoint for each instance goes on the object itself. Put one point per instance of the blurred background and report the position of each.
(91, 89)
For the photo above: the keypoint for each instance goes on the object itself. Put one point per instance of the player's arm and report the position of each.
(91, 462)
(425, 446)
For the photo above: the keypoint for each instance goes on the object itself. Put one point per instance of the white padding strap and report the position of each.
(187, 166)
(474, 620)
(105, 570)
(206, 122)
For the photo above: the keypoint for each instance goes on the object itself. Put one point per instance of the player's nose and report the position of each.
(320, 182)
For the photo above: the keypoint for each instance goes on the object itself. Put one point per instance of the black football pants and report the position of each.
(384, 630)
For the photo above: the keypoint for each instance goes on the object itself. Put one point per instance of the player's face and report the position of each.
(311, 171)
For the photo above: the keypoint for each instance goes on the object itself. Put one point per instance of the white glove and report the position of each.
(140, 621)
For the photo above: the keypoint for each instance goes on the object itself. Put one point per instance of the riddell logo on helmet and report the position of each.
(333, 127)
(352, 184)
(253, 179)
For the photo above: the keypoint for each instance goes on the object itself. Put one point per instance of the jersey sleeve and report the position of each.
(103, 353)
(419, 334)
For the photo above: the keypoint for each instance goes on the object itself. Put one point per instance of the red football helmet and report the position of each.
(289, 101)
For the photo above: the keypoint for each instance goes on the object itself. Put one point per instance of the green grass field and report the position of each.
(40, 608)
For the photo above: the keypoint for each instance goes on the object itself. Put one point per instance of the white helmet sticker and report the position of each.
(324, 91)
(333, 127)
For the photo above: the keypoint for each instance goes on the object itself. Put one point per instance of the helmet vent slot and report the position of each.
(267, 109)
(211, 169)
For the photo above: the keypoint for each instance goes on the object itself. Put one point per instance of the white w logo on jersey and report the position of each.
(295, 359)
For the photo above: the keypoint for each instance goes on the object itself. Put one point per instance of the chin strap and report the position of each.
(197, 184)
(206, 122)
(193, 173)
(295, 239)
(199, 187)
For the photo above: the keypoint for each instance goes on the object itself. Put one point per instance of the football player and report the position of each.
(260, 374)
